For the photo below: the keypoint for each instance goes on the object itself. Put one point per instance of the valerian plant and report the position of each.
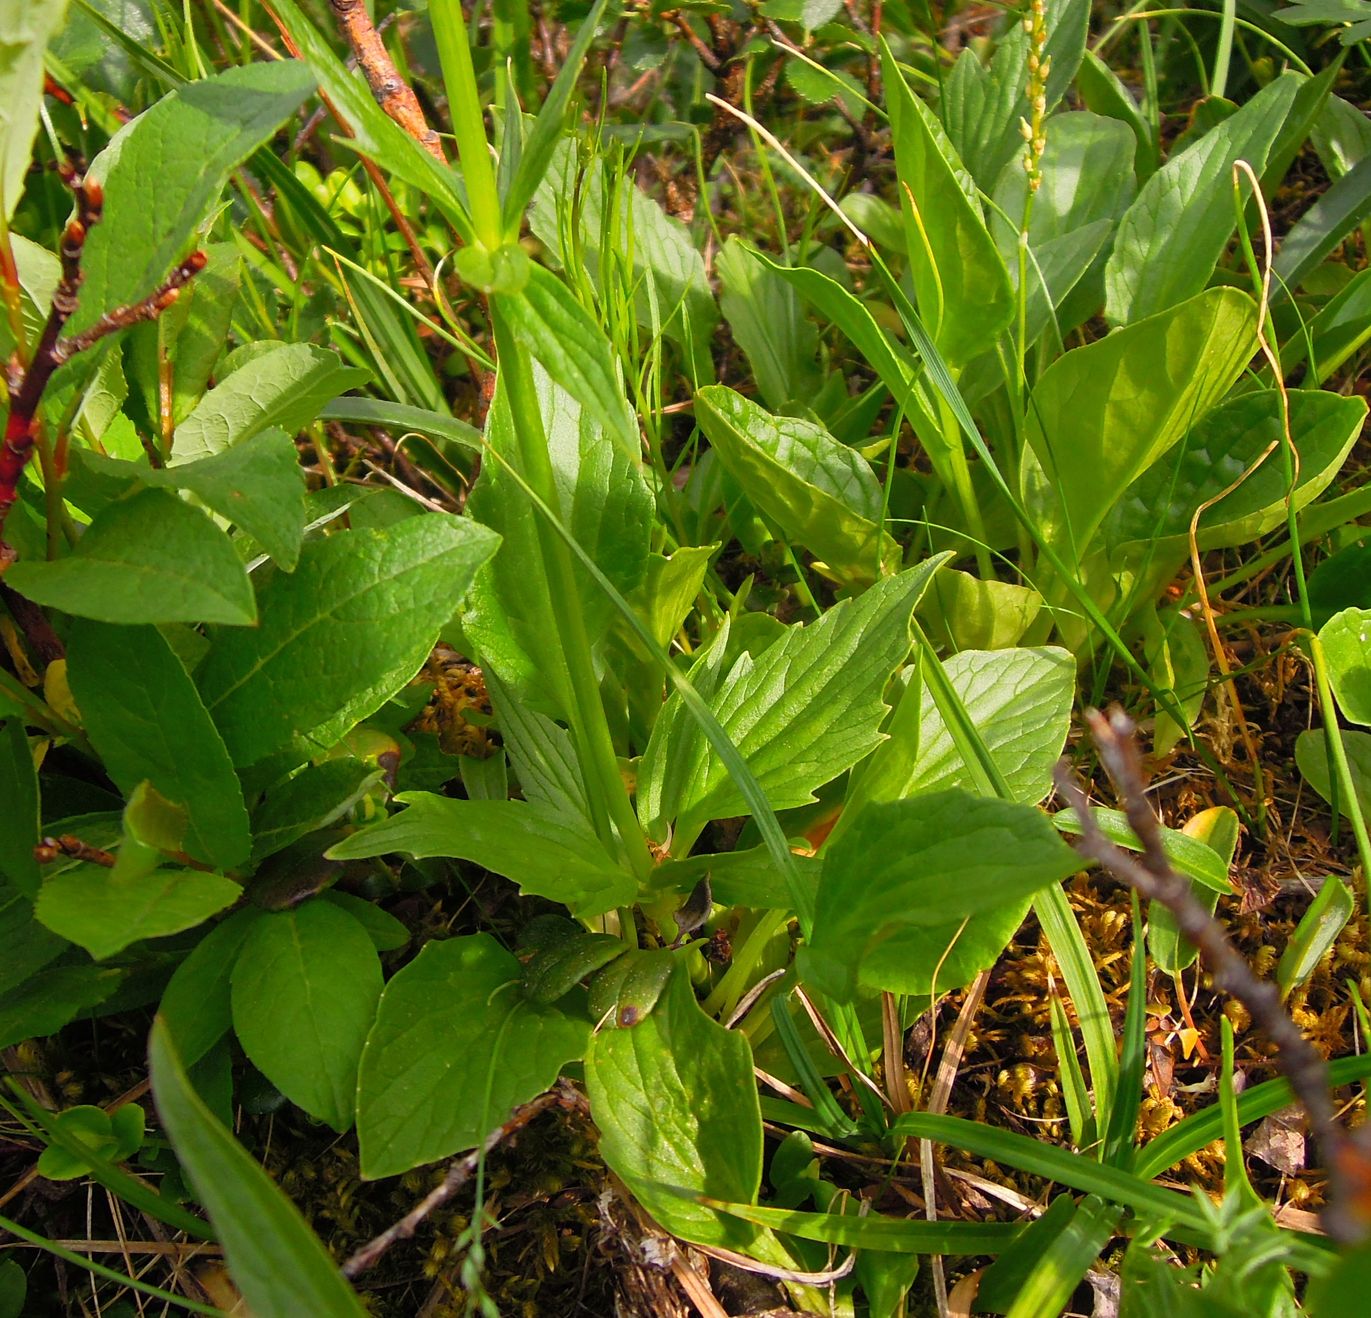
(249, 699)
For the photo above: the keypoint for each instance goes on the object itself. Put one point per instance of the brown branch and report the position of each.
(28, 380)
(393, 94)
(459, 1172)
(68, 845)
(1153, 877)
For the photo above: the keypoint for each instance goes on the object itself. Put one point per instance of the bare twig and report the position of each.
(393, 94)
(1152, 875)
(459, 1172)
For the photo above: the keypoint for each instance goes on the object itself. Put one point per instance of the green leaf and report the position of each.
(1153, 517)
(398, 416)
(1346, 641)
(547, 853)
(284, 386)
(1311, 757)
(275, 1260)
(1217, 828)
(1102, 414)
(104, 912)
(561, 335)
(196, 1004)
(897, 885)
(25, 30)
(340, 635)
(314, 798)
(28, 945)
(145, 717)
(147, 558)
(305, 985)
(375, 134)
(1328, 222)
(603, 499)
(768, 323)
(960, 281)
(259, 485)
(1317, 931)
(455, 1048)
(676, 1104)
(51, 999)
(981, 106)
(807, 708)
(1192, 856)
(1019, 700)
(1173, 235)
(19, 820)
(818, 492)
(185, 146)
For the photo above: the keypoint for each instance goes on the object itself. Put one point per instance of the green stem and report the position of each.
(468, 123)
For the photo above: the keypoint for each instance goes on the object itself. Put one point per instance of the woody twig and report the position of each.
(27, 381)
(1152, 875)
(393, 94)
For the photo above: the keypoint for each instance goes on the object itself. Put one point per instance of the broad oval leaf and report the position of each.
(341, 634)
(96, 909)
(676, 1103)
(1346, 641)
(818, 492)
(274, 1258)
(1312, 758)
(304, 990)
(922, 864)
(1217, 450)
(147, 558)
(145, 717)
(456, 1046)
(1102, 414)
(1019, 700)
(188, 143)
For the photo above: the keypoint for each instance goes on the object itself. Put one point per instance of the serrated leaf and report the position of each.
(304, 990)
(147, 558)
(920, 867)
(455, 1048)
(340, 635)
(284, 386)
(275, 1260)
(145, 717)
(676, 1103)
(546, 853)
(808, 707)
(184, 147)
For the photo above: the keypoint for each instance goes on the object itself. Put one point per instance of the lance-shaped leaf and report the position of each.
(25, 30)
(804, 710)
(145, 717)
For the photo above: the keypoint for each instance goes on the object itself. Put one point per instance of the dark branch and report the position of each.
(1154, 878)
